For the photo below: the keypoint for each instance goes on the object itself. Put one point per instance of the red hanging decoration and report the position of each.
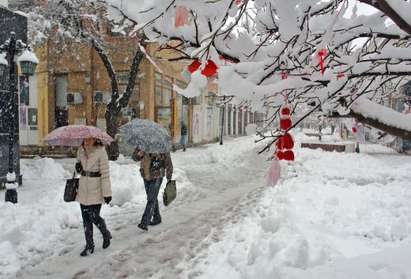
(285, 124)
(288, 155)
(238, 2)
(210, 69)
(280, 155)
(354, 130)
(340, 75)
(181, 16)
(194, 66)
(284, 75)
(285, 111)
(288, 141)
(321, 55)
(285, 142)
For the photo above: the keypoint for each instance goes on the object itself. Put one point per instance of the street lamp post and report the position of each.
(28, 62)
(224, 99)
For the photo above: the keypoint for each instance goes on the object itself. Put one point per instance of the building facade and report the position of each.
(71, 86)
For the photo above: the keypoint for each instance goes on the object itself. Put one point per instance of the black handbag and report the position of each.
(70, 192)
(170, 192)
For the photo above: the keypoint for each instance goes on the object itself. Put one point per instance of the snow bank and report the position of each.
(45, 168)
(225, 155)
(338, 206)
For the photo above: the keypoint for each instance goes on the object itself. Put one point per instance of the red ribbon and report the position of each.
(321, 55)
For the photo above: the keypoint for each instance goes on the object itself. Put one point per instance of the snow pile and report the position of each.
(44, 168)
(225, 155)
(127, 185)
(338, 206)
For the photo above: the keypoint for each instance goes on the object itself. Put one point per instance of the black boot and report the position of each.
(106, 240)
(89, 249)
(142, 226)
(155, 221)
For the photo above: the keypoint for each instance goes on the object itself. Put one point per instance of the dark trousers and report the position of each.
(91, 215)
(152, 210)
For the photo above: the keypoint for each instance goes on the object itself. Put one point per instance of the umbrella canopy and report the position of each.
(146, 135)
(73, 135)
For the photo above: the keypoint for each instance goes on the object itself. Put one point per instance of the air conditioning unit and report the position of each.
(74, 98)
(101, 97)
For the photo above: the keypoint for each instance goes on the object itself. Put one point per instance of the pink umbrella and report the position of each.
(73, 135)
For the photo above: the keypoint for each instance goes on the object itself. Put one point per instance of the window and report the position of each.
(163, 90)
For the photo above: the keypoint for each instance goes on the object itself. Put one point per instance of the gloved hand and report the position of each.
(107, 200)
(79, 167)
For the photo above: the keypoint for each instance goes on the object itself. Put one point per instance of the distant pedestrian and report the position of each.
(94, 190)
(153, 168)
(184, 135)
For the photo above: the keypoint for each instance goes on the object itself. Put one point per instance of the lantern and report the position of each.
(285, 111)
(280, 155)
(194, 66)
(285, 124)
(288, 155)
(28, 63)
(210, 69)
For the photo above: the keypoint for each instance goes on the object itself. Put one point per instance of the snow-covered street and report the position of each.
(336, 216)
(47, 233)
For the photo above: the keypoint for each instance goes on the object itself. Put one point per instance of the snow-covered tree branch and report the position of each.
(331, 53)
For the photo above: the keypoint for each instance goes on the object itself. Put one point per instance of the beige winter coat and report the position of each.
(92, 190)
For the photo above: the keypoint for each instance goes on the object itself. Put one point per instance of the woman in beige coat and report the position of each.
(94, 190)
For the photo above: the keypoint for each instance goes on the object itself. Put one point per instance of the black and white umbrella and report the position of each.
(146, 135)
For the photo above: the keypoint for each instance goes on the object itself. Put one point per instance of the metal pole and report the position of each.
(11, 185)
(222, 123)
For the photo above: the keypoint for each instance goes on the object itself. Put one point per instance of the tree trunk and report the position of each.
(112, 129)
(112, 112)
(117, 102)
